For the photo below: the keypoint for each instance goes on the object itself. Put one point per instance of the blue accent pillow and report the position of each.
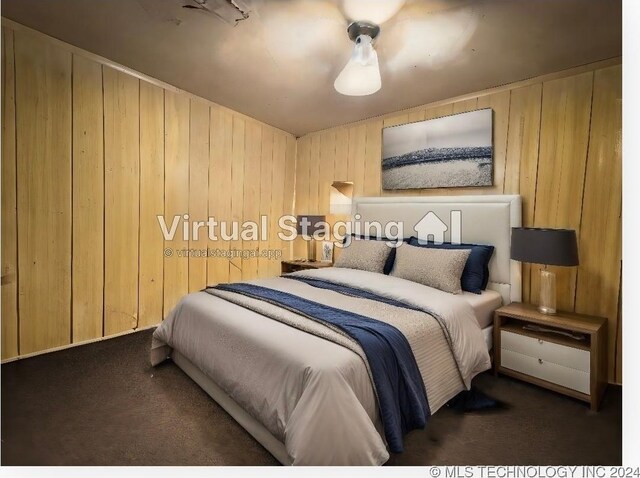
(392, 255)
(475, 275)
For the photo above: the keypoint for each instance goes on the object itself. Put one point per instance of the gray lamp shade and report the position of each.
(313, 225)
(553, 247)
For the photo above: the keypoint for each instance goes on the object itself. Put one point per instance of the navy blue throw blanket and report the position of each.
(399, 386)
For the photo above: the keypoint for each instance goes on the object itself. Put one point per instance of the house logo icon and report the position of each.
(432, 228)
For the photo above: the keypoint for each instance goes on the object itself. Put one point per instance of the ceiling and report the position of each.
(279, 64)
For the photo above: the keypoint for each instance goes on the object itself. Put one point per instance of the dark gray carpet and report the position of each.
(102, 404)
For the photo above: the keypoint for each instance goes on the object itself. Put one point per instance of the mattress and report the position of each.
(484, 305)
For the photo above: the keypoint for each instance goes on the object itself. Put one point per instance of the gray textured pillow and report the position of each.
(437, 268)
(364, 255)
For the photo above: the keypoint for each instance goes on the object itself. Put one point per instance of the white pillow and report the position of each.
(437, 268)
(365, 255)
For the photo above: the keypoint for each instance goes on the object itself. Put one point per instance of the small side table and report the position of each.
(565, 352)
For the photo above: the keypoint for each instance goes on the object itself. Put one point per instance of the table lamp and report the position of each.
(307, 226)
(549, 247)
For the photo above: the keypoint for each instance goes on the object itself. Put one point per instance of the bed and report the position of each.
(303, 389)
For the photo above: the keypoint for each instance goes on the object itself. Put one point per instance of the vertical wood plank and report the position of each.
(438, 111)
(325, 174)
(521, 169)
(303, 159)
(499, 104)
(618, 348)
(122, 189)
(314, 175)
(417, 115)
(325, 179)
(357, 155)
(465, 105)
(341, 163)
(237, 193)
(341, 173)
(271, 166)
(351, 160)
(600, 244)
(88, 201)
(373, 159)
(151, 204)
(176, 195)
(9, 218)
(564, 135)
(198, 193)
(220, 158)
(290, 194)
(276, 207)
(395, 120)
(302, 174)
(43, 127)
(251, 208)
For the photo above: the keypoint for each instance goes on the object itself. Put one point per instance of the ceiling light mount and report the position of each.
(355, 29)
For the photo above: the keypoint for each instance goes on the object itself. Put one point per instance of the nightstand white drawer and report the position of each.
(563, 355)
(549, 371)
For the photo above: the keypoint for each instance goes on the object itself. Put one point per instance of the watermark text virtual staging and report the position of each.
(429, 228)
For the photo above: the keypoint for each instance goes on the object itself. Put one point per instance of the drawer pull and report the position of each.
(540, 341)
(540, 361)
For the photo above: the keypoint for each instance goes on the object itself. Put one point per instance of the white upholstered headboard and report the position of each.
(483, 220)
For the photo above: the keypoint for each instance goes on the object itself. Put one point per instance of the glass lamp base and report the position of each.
(547, 300)
(311, 250)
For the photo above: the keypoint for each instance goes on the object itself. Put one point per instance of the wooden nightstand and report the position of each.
(293, 266)
(575, 366)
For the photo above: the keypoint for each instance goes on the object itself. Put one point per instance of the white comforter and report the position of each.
(313, 392)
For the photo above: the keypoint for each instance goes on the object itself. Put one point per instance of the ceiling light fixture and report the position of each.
(361, 74)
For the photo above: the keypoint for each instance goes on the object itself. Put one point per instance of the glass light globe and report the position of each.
(361, 75)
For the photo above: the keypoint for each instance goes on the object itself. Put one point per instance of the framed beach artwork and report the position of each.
(449, 152)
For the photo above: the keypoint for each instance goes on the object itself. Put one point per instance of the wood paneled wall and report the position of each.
(91, 154)
(557, 142)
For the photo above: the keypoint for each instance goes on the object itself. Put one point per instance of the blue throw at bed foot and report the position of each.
(474, 400)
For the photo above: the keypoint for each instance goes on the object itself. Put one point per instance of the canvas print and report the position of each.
(448, 152)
